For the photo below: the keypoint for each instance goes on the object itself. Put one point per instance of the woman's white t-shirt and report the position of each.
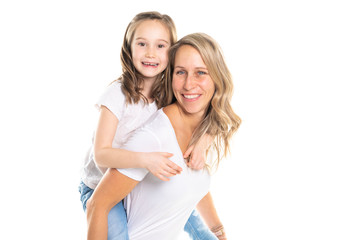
(159, 209)
(130, 116)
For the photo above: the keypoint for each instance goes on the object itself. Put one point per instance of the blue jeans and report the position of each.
(117, 221)
(197, 229)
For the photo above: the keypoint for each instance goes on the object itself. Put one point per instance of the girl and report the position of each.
(126, 105)
(158, 209)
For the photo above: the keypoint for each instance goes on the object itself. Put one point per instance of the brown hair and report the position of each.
(131, 80)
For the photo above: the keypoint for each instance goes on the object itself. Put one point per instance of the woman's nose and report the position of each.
(189, 82)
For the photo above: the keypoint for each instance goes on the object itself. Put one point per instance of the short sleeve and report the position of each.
(143, 140)
(114, 99)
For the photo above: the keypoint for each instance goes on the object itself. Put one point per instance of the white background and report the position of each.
(282, 178)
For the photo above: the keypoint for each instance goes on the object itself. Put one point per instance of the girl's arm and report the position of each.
(196, 154)
(113, 187)
(107, 157)
(208, 212)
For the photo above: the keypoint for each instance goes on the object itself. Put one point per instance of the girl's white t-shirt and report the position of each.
(130, 116)
(159, 209)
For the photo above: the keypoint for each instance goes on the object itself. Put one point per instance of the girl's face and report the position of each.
(191, 82)
(149, 48)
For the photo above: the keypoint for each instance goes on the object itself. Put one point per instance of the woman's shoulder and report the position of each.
(170, 109)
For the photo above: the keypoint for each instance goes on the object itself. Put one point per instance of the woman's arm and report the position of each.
(113, 187)
(208, 212)
(106, 156)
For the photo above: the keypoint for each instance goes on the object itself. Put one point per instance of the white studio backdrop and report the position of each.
(281, 180)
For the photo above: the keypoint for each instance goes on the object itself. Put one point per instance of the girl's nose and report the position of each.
(150, 52)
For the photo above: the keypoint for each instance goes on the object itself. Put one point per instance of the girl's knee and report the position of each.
(89, 205)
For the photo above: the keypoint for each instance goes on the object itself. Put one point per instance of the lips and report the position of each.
(150, 64)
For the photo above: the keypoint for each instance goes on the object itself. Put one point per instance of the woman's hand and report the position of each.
(159, 164)
(219, 232)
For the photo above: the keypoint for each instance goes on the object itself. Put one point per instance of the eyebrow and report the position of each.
(141, 38)
(195, 67)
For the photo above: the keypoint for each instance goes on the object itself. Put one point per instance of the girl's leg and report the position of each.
(85, 194)
(197, 229)
(117, 221)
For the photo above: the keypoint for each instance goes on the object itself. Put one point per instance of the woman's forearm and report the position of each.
(208, 211)
(97, 229)
(113, 187)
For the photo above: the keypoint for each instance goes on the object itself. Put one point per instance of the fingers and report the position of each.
(171, 169)
(188, 152)
(173, 166)
(167, 155)
(196, 163)
(165, 175)
(162, 167)
(195, 166)
(161, 177)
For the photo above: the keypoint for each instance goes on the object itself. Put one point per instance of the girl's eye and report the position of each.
(161, 46)
(141, 44)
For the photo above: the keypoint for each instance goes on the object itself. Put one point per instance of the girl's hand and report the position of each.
(159, 165)
(196, 157)
(196, 154)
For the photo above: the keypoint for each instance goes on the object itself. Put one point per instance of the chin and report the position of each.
(193, 111)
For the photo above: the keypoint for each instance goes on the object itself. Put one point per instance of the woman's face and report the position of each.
(191, 82)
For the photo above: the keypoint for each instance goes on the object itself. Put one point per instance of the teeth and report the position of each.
(151, 64)
(191, 96)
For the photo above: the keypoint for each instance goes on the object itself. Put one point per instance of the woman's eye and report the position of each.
(180, 72)
(202, 73)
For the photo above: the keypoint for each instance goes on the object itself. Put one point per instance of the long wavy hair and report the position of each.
(220, 121)
(131, 79)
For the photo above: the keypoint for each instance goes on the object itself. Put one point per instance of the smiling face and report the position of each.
(149, 48)
(191, 83)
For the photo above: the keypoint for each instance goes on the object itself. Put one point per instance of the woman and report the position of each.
(202, 86)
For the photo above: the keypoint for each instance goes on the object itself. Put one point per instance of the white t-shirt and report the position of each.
(130, 116)
(158, 209)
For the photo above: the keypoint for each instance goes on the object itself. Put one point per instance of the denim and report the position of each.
(197, 229)
(117, 221)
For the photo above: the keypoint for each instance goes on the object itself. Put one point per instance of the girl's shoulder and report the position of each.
(114, 89)
(158, 123)
(113, 98)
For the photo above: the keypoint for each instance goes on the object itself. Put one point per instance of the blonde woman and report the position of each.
(202, 87)
(125, 105)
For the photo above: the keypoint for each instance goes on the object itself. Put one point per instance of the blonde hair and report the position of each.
(131, 80)
(220, 121)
